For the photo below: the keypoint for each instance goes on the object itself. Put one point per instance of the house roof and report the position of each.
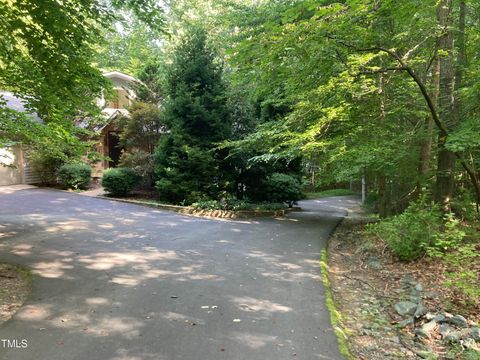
(120, 75)
(17, 104)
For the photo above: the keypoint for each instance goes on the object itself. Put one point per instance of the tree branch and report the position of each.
(431, 106)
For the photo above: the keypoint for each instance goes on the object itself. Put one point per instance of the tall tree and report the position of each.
(197, 118)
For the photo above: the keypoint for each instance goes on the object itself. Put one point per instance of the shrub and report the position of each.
(139, 161)
(45, 165)
(235, 205)
(120, 181)
(411, 233)
(75, 176)
(283, 188)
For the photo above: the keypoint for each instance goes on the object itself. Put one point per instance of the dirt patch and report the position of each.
(367, 281)
(15, 286)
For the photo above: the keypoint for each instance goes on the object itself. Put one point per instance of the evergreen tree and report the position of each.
(197, 116)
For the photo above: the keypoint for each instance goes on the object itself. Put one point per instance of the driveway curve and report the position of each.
(116, 281)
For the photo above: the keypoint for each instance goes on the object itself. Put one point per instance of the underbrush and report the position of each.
(424, 231)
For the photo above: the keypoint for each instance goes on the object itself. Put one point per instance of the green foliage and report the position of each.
(462, 274)
(331, 192)
(143, 127)
(119, 181)
(46, 166)
(283, 188)
(448, 238)
(75, 176)
(197, 117)
(139, 161)
(412, 232)
(236, 205)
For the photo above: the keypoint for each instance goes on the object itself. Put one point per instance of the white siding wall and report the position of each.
(11, 175)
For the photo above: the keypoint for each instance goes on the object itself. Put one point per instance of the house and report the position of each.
(18, 169)
(108, 143)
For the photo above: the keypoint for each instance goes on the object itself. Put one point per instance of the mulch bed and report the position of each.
(14, 290)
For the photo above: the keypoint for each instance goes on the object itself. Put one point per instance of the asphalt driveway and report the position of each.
(115, 281)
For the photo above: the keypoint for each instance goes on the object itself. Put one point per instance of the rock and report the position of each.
(430, 316)
(474, 333)
(419, 287)
(439, 318)
(469, 344)
(420, 311)
(429, 327)
(453, 336)
(458, 320)
(445, 329)
(415, 299)
(422, 333)
(404, 323)
(447, 315)
(405, 308)
(408, 280)
(375, 263)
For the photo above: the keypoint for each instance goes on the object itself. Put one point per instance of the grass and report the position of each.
(335, 316)
(331, 192)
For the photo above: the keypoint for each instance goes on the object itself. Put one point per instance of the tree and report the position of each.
(46, 59)
(358, 80)
(197, 117)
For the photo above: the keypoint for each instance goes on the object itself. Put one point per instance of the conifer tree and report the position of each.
(197, 118)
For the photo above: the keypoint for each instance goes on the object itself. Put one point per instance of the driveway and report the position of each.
(116, 281)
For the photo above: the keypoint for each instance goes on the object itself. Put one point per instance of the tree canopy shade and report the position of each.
(371, 88)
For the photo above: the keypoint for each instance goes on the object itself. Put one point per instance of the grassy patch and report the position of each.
(335, 316)
(331, 192)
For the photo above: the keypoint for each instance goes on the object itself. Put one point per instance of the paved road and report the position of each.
(115, 281)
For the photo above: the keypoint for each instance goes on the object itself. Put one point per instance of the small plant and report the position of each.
(412, 232)
(120, 181)
(283, 188)
(75, 176)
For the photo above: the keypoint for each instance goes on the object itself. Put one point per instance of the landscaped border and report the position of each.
(223, 214)
(335, 315)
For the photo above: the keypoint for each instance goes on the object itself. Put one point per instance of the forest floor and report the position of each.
(14, 289)
(367, 283)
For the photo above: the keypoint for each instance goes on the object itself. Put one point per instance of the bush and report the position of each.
(283, 188)
(139, 161)
(120, 181)
(235, 205)
(45, 165)
(75, 176)
(412, 232)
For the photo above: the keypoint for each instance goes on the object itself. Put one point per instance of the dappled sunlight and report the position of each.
(35, 312)
(52, 269)
(109, 260)
(97, 301)
(68, 226)
(22, 249)
(250, 304)
(126, 327)
(138, 276)
(254, 341)
(125, 354)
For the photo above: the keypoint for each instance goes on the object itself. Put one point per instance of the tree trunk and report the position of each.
(426, 145)
(446, 105)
